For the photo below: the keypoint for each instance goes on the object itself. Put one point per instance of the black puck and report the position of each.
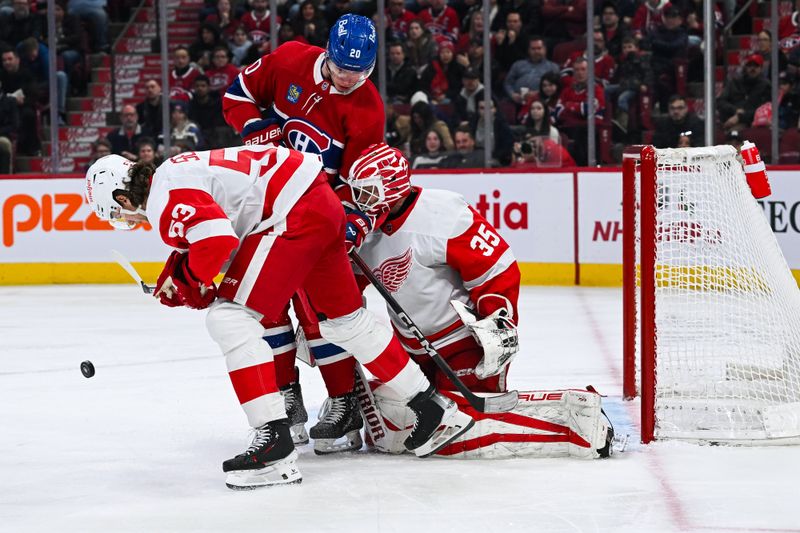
(87, 369)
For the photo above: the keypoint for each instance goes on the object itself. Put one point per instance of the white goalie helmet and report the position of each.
(379, 178)
(106, 176)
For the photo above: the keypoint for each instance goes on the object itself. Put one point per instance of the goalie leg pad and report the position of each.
(558, 423)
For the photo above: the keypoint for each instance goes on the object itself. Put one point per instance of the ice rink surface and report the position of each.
(139, 447)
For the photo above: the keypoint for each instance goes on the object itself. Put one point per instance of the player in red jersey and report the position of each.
(268, 218)
(320, 101)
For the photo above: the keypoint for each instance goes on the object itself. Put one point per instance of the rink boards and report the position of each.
(565, 225)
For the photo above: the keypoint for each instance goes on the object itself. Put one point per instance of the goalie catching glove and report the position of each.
(176, 286)
(497, 335)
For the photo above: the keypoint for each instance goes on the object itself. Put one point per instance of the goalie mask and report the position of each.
(104, 180)
(379, 179)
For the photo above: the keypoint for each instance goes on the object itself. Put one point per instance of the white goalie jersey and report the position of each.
(441, 249)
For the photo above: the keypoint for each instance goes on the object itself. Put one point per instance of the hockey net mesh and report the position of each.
(727, 309)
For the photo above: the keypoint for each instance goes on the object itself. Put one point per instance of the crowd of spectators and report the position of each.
(648, 67)
(81, 28)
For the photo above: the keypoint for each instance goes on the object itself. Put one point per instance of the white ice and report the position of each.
(139, 447)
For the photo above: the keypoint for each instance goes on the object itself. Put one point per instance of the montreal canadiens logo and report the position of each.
(305, 137)
(394, 271)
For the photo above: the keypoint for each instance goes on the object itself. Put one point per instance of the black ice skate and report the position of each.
(438, 423)
(339, 426)
(296, 411)
(270, 460)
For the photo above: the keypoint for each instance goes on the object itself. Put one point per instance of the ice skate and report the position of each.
(270, 460)
(296, 411)
(438, 423)
(339, 426)
(606, 451)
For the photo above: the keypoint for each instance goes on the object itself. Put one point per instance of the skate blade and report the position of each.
(350, 442)
(282, 472)
(449, 430)
(299, 434)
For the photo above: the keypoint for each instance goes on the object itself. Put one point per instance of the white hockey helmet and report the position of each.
(379, 178)
(104, 178)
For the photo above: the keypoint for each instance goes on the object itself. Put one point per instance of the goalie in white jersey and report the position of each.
(457, 278)
(269, 219)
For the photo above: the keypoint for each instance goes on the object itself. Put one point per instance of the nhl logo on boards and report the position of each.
(293, 94)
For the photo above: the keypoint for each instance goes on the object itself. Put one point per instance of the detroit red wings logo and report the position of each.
(394, 271)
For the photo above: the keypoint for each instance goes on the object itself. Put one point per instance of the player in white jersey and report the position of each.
(453, 273)
(268, 218)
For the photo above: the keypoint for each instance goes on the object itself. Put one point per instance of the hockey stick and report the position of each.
(491, 404)
(128, 267)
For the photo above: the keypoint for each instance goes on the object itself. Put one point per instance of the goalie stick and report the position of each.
(128, 267)
(491, 404)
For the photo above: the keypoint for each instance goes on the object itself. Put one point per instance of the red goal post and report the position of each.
(711, 312)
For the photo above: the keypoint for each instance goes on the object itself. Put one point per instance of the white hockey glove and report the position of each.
(496, 333)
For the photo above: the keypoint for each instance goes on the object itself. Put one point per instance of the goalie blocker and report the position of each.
(545, 423)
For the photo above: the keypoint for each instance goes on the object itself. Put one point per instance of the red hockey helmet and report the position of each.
(379, 178)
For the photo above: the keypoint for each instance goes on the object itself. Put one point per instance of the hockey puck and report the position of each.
(87, 369)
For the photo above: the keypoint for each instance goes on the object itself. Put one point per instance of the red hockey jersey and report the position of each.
(181, 85)
(315, 117)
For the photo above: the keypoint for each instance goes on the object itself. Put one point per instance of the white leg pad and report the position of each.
(556, 423)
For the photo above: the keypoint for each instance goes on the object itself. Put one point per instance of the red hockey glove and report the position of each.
(266, 131)
(185, 289)
(165, 289)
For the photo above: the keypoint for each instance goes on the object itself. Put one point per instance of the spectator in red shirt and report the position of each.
(648, 17)
(572, 109)
(182, 75)
(442, 79)
(256, 22)
(221, 73)
(789, 30)
(540, 151)
(473, 33)
(441, 20)
(604, 64)
(397, 20)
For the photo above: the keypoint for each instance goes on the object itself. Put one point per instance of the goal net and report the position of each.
(711, 310)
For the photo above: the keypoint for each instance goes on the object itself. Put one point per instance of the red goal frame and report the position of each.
(639, 162)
